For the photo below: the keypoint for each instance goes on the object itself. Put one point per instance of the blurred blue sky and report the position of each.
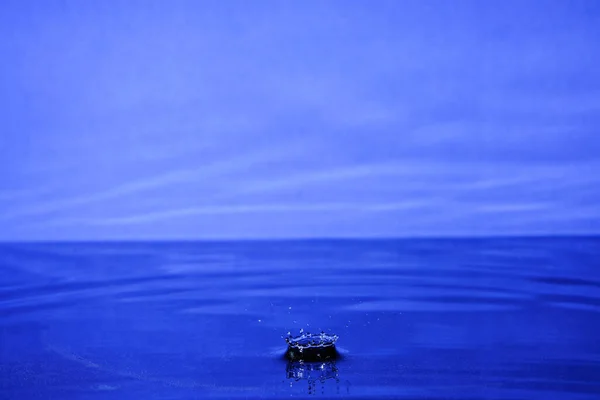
(212, 119)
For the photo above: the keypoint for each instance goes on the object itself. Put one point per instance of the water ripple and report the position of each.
(448, 319)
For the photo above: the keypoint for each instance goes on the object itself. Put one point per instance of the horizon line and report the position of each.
(308, 238)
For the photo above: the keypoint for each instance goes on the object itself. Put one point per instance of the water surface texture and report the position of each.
(416, 319)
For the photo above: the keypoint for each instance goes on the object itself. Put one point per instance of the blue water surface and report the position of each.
(513, 318)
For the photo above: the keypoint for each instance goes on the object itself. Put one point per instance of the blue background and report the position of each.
(156, 123)
(252, 119)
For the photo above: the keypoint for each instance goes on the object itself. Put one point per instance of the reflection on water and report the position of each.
(424, 319)
(315, 374)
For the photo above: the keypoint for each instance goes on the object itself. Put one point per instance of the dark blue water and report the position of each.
(416, 319)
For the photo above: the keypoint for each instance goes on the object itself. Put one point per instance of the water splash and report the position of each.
(311, 347)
